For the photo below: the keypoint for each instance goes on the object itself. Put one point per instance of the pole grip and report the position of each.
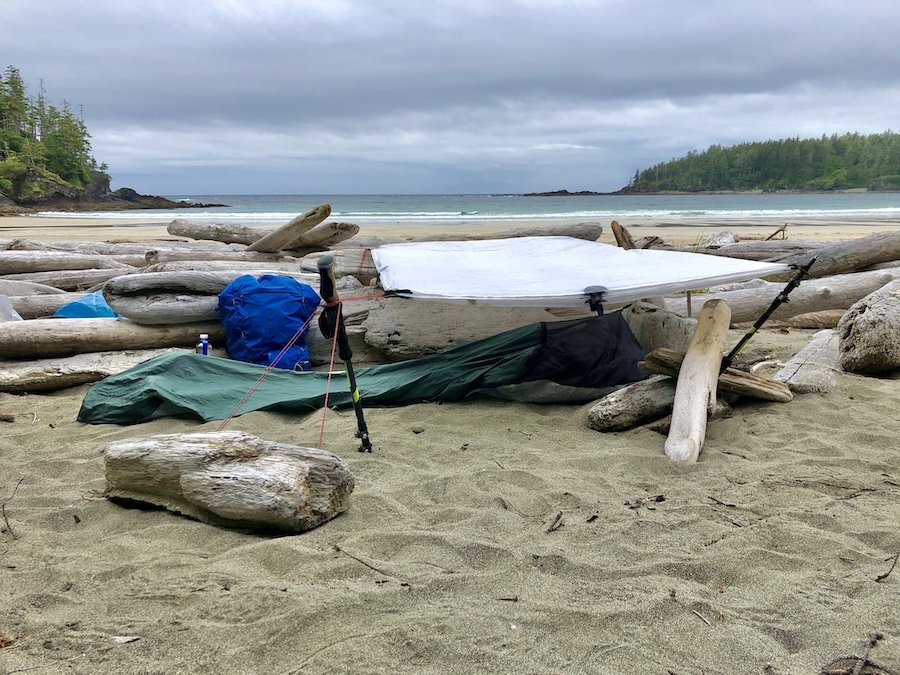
(327, 282)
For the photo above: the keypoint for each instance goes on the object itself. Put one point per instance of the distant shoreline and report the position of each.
(642, 193)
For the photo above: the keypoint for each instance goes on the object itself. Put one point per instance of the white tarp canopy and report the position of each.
(550, 271)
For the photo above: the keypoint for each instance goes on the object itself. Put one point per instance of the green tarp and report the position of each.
(209, 388)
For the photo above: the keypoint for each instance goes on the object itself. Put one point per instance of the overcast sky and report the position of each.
(446, 96)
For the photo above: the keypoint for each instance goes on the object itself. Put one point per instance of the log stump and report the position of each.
(230, 479)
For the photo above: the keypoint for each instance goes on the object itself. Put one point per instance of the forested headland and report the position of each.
(46, 160)
(846, 162)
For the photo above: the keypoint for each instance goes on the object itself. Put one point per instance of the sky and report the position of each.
(446, 96)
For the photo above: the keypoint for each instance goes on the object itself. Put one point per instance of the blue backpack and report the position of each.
(262, 315)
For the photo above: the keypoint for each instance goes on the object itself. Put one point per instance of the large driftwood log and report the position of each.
(231, 479)
(827, 318)
(654, 327)
(666, 361)
(229, 234)
(190, 281)
(356, 262)
(770, 250)
(623, 236)
(405, 329)
(588, 231)
(40, 338)
(633, 404)
(695, 392)
(813, 368)
(813, 295)
(322, 236)
(155, 256)
(12, 288)
(42, 375)
(23, 262)
(290, 232)
(869, 333)
(288, 265)
(42, 306)
(165, 309)
(116, 248)
(71, 280)
(848, 256)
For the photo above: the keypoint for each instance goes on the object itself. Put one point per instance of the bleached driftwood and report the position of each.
(770, 250)
(654, 327)
(116, 248)
(229, 234)
(40, 338)
(718, 240)
(813, 295)
(633, 405)
(12, 288)
(71, 280)
(813, 368)
(827, 318)
(155, 256)
(42, 375)
(165, 309)
(324, 235)
(405, 329)
(695, 392)
(848, 256)
(666, 361)
(290, 232)
(23, 262)
(869, 333)
(230, 479)
(587, 231)
(288, 265)
(356, 262)
(42, 306)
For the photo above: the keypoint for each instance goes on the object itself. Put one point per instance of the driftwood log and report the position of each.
(848, 256)
(21, 262)
(230, 479)
(633, 405)
(323, 236)
(813, 369)
(42, 306)
(587, 231)
(772, 250)
(71, 280)
(695, 392)
(623, 237)
(290, 232)
(42, 375)
(665, 361)
(116, 248)
(813, 295)
(654, 327)
(355, 262)
(40, 338)
(869, 333)
(162, 255)
(12, 288)
(228, 234)
(249, 267)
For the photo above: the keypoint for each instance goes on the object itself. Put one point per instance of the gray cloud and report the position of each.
(447, 96)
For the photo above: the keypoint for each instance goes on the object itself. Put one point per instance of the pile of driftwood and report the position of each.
(166, 295)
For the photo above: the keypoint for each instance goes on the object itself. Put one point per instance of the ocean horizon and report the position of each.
(461, 209)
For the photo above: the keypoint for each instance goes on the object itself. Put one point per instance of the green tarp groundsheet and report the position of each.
(592, 352)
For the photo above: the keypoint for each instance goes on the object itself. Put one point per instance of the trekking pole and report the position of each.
(331, 323)
(776, 303)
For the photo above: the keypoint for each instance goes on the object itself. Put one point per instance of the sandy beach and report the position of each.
(483, 536)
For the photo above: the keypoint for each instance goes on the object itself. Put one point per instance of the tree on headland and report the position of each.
(828, 163)
(40, 144)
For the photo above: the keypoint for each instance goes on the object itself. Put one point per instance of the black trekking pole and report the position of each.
(331, 323)
(782, 298)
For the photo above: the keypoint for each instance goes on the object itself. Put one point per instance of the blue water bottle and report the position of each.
(203, 345)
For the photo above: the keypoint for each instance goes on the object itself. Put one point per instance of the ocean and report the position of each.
(461, 209)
